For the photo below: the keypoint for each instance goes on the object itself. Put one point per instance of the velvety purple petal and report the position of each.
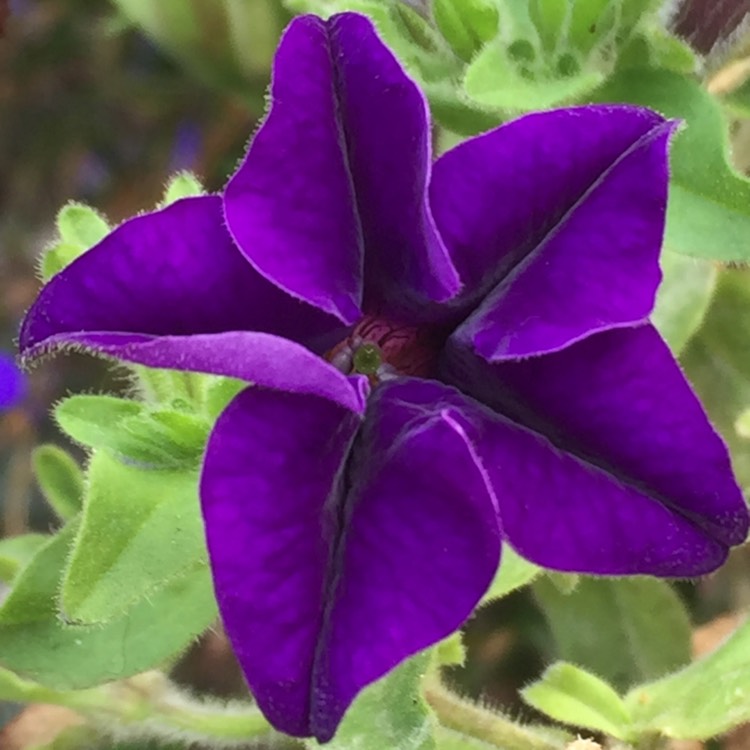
(269, 489)
(390, 157)
(618, 402)
(420, 548)
(332, 191)
(172, 272)
(560, 217)
(327, 577)
(259, 358)
(12, 382)
(565, 511)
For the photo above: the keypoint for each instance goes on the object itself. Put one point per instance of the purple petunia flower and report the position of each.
(446, 358)
(12, 382)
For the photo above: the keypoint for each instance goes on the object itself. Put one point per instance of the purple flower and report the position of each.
(447, 358)
(12, 382)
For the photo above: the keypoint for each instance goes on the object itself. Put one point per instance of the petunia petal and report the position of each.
(421, 546)
(650, 466)
(390, 155)
(560, 217)
(272, 469)
(258, 358)
(328, 577)
(330, 201)
(172, 272)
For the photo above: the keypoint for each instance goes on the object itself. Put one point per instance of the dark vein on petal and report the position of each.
(502, 403)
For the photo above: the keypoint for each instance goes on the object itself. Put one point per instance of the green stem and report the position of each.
(150, 705)
(203, 721)
(474, 721)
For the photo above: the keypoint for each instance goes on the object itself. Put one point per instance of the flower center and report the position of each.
(383, 350)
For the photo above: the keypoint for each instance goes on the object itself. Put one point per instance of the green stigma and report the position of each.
(367, 359)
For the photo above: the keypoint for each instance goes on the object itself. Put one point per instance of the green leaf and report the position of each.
(182, 185)
(81, 225)
(573, 696)
(493, 80)
(254, 29)
(158, 438)
(708, 214)
(60, 479)
(706, 698)
(218, 392)
(391, 713)
(16, 552)
(552, 20)
(466, 24)
(57, 257)
(667, 51)
(140, 530)
(514, 572)
(590, 21)
(451, 651)
(717, 363)
(622, 629)
(633, 11)
(194, 32)
(35, 644)
(684, 297)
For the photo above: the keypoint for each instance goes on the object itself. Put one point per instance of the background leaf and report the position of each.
(717, 363)
(573, 696)
(709, 202)
(702, 700)
(140, 530)
(60, 479)
(493, 80)
(158, 438)
(16, 552)
(624, 630)
(513, 573)
(387, 715)
(684, 297)
(34, 643)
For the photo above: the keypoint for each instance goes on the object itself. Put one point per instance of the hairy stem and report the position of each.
(494, 729)
(147, 705)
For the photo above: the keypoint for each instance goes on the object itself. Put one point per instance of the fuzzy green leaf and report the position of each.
(493, 80)
(140, 530)
(57, 257)
(16, 552)
(34, 643)
(622, 629)
(466, 24)
(514, 572)
(708, 214)
(684, 297)
(667, 51)
(552, 20)
(182, 185)
(158, 438)
(390, 713)
(590, 21)
(81, 225)
(706, 698)
(573, 696)
(60, 479)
